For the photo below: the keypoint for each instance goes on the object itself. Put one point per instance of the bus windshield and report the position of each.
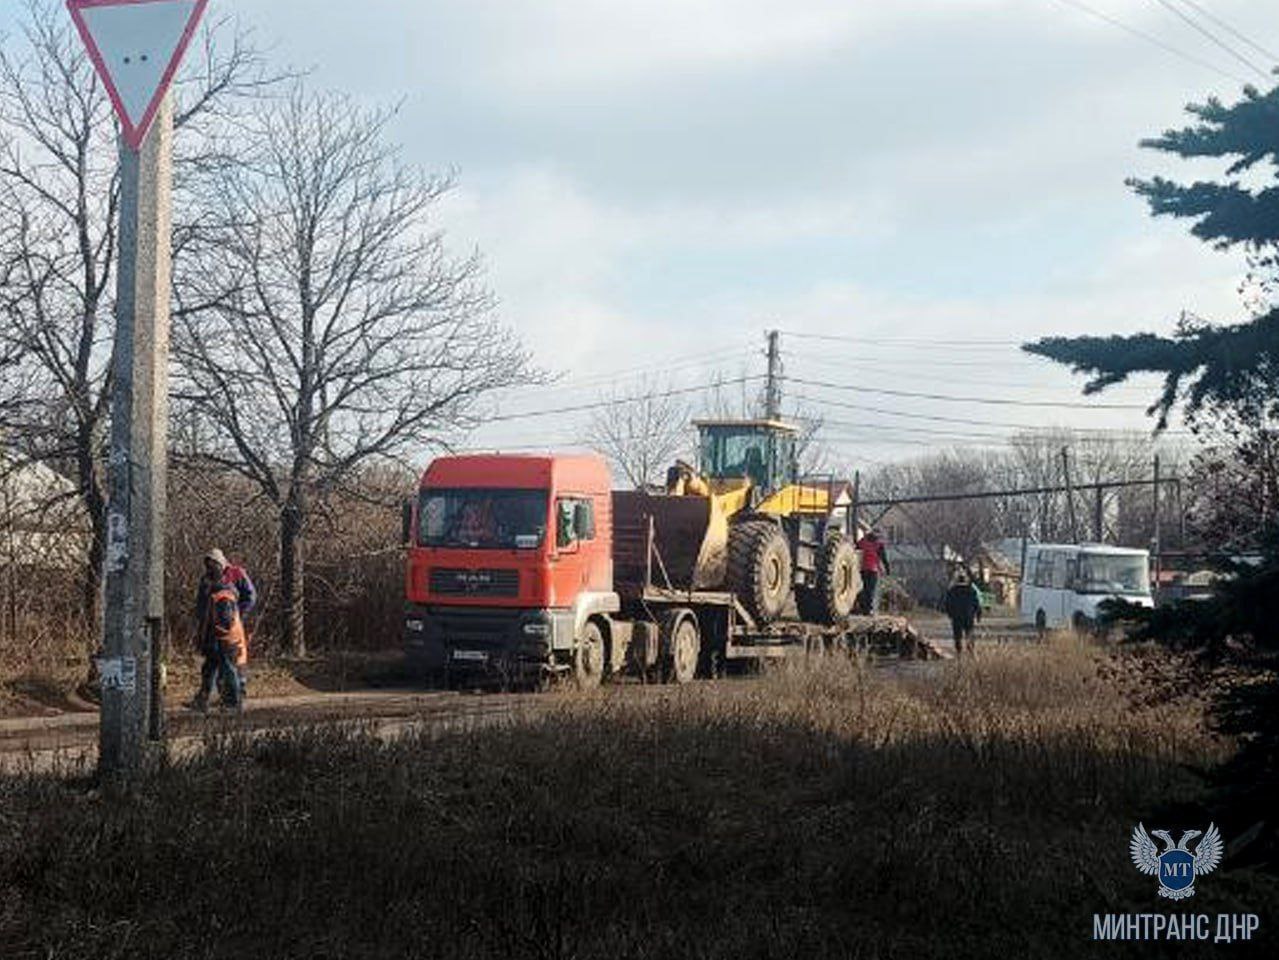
(1110, 573)
(482, 519)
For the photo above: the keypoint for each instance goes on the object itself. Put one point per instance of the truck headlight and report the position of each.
(414, 626)
(537, 629)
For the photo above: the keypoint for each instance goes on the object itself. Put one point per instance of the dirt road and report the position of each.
(70, 740)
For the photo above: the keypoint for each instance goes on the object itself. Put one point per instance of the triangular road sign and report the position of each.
(136, 46)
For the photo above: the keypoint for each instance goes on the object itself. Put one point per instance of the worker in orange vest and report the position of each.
(225, 648)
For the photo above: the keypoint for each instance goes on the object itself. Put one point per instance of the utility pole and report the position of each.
(1157, 542)
(856, 506)
(1070, 494)
(1099, 516)
(139, 421)
(136, 49)
(773, 388)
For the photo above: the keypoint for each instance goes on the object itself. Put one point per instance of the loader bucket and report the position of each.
(690, 535)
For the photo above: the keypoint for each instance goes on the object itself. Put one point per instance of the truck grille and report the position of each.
(449, 582)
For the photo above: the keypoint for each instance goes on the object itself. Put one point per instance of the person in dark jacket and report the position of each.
(963, 604)
(221, 579)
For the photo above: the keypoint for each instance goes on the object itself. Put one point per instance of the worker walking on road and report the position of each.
(224, 598)
(874, 561)
(963, 606)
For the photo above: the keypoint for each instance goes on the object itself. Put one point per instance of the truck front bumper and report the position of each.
(499, 640)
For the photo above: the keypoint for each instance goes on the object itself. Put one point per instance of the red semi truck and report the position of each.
(524, 567)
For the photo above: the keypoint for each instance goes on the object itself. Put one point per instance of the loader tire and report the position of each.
(832, 598)
(759, 569)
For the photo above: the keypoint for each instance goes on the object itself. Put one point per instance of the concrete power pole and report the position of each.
(773, 388)
(1070, 494)
(139, 434)
(1158, 540)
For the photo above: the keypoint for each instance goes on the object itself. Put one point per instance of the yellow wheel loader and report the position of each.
(741, 522)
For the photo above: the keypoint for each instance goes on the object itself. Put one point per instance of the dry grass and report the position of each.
(970, 809)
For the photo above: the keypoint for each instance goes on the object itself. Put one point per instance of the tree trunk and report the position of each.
(292, 576)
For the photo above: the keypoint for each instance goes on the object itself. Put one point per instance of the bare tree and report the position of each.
(323, 325)
(962, 525)
(641, 431)
(59, 193)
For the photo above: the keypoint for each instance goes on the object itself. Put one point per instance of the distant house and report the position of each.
(41, 524)
(923, 571)
(840, 493)
(998, 567)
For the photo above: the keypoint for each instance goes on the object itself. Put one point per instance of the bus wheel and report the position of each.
(1041, 624)
(588, 658)
(683, 647)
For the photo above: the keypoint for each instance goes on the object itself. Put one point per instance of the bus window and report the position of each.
(1061, 571)
(1044, 570)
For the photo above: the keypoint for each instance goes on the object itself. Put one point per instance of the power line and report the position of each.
(1201, 29)
(917, 369)
(992, 401)
(1023, 492)
(683, 362)
(969, 421)
(1209, 15)
(904, 341)
(1152, 39)
(599, 405)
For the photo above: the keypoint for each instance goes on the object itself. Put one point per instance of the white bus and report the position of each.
(1062, 585)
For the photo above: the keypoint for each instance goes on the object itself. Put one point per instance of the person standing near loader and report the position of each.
(963, 606)
(874, 562)
(224, 598)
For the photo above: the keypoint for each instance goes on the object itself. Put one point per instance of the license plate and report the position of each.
(474, 655)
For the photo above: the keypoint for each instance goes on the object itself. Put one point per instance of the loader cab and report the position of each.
(763, 451)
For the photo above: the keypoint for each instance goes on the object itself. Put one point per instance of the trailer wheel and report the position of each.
(838, 583)
(588, 658)
(759, 568)
(681, 647)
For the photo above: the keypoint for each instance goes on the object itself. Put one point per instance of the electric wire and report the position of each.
(951, 398)
(1200, 28)
(1152, 39)
(1222, 24)
(601, 404)
(966, 421)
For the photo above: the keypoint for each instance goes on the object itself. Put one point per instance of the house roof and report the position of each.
(922, 552)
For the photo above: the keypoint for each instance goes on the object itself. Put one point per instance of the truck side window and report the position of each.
(574, 521)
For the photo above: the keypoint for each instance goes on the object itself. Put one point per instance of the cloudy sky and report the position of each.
(654, 184)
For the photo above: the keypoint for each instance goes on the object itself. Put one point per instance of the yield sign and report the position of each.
(136, 47)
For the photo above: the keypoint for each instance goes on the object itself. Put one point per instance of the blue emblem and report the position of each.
(1176, 867)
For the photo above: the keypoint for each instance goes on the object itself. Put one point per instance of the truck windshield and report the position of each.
(1112, 574)
(482, 519)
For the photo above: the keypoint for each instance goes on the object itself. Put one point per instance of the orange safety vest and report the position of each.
(230, 638)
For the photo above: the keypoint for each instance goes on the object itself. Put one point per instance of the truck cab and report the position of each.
(509, 564)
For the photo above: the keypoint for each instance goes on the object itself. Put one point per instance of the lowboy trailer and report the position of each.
(522, 568)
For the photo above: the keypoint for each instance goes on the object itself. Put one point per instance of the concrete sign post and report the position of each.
(136, 47)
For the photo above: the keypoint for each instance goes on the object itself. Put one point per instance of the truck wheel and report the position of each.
(588, 658)
(682, 647)
(759, 568)
(838, 583)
